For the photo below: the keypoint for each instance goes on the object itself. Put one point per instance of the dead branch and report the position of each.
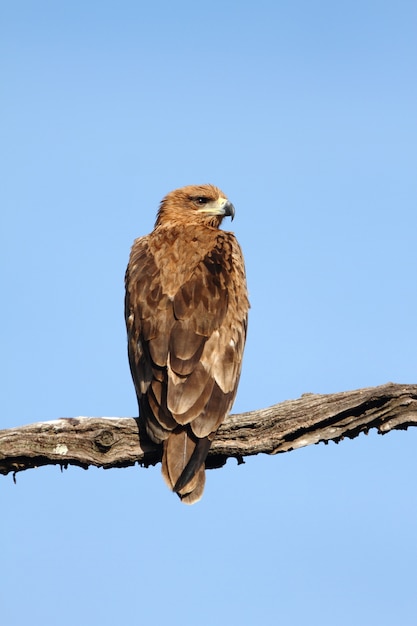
(119, 442)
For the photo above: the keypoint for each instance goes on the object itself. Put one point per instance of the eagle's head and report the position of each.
(204, 205)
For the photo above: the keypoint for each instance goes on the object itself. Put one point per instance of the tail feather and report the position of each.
(190, 497)
(183, 464)
(197, 459)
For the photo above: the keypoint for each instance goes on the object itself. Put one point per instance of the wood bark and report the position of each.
(119, 442)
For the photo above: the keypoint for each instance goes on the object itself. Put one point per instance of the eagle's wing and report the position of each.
(186, 331)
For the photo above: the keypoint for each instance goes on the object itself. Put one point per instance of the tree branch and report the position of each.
(119, 442)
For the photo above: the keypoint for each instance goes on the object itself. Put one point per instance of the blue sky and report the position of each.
(305, 115)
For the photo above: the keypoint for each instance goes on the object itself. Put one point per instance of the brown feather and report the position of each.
(186, 316)
(185, 348)
(183, 392)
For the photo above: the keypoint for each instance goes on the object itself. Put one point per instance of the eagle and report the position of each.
(186, 312)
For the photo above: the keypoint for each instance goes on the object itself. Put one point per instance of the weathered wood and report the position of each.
(117, 442)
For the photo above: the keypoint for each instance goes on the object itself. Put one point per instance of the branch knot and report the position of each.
(104, 441)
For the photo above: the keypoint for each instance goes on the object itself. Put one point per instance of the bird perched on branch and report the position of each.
(186, 311)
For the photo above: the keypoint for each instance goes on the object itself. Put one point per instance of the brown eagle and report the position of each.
(186, 312)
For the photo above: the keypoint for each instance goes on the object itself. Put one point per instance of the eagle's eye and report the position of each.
(201, 200)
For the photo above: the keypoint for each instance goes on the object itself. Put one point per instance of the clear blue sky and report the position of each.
(305, 114)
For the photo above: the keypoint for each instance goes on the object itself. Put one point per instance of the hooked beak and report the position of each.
(229, 210)
(222, 207)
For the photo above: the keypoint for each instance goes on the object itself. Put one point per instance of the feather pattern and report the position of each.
(186, 312)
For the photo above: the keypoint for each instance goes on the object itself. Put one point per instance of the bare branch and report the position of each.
(118, 442)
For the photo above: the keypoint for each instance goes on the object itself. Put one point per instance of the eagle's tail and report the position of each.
(183, 463)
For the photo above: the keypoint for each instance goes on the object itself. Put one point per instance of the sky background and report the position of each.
(305, 114)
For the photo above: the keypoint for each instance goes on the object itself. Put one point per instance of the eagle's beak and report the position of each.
(222, 207)
(229, 210)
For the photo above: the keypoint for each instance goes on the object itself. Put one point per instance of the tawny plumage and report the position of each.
(186, 315)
